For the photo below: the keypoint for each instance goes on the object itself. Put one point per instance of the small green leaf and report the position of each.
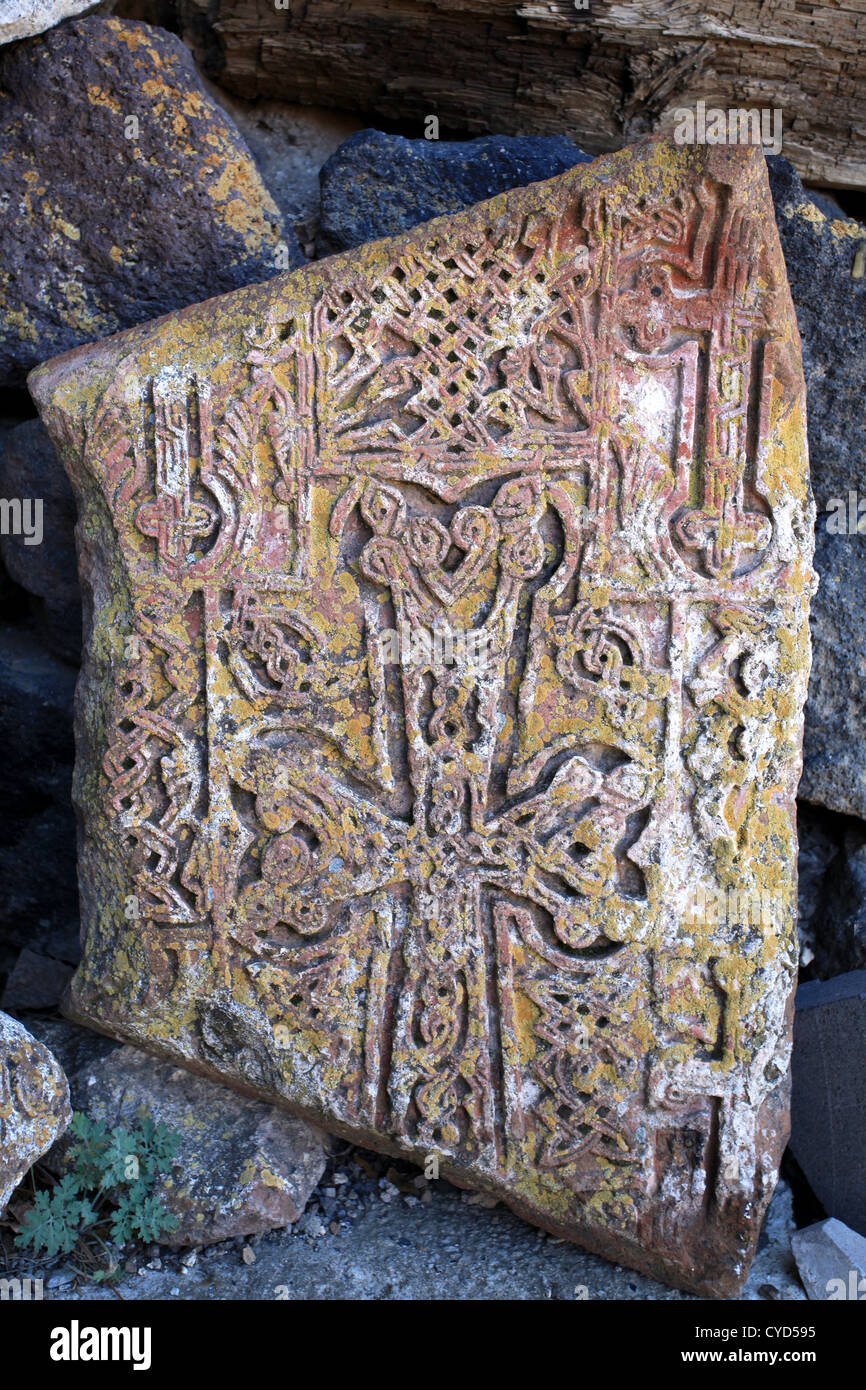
(120, 1167)
(152, 1220)
(122, 1163)
(55, 1220)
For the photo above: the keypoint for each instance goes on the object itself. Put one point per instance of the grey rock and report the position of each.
(34, 1103)
(834, 765)
(242, 1168)
(831, 1260)
(378, 185)
(774, 1273)
(36, 982)
(828, 1101)
(46, 568)
(75, 1048)
(311, 1225)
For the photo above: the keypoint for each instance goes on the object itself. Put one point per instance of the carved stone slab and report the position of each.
(440, 723)
(34, 1103)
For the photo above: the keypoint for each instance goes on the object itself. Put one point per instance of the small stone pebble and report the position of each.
(248, 1255)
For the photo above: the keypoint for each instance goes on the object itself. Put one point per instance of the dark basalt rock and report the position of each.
(834, 754)
(43, 563)
(125, 191)
(378, 185)
(831, 883)
(830, 304)
(39, 901)
(828, 1109)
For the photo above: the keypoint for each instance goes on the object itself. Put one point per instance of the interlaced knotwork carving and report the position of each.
(459, 641)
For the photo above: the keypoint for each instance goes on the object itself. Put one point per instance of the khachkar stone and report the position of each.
(440, 722)
(34, 1103)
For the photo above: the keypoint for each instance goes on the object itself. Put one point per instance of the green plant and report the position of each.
(110, 1181)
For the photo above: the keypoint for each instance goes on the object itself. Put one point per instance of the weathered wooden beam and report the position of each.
(601, 76)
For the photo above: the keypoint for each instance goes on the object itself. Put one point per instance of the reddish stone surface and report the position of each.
(440, 724)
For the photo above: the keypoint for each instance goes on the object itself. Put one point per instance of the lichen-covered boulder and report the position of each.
(34, 1103)
(439, 729)
(242, 1168)
(125, 191)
